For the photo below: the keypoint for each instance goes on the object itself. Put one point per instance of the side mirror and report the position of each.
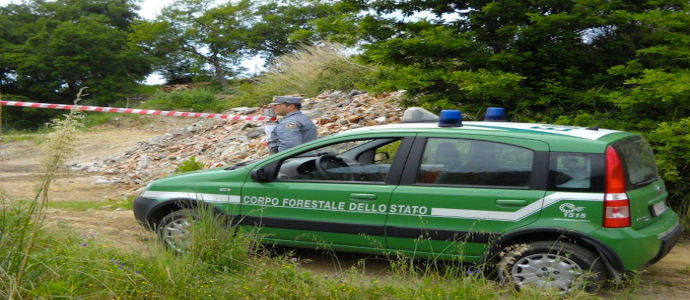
(381, 156)
(265, 173)
(259, 175)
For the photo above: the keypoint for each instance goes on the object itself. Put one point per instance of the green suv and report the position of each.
(549, 205)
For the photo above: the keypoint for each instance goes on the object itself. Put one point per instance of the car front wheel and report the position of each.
(174, 229)
(551, 264)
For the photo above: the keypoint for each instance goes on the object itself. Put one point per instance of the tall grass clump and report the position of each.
(309, 71)
(198, 100)
(684, 213)
(16, 262)
(0, 114)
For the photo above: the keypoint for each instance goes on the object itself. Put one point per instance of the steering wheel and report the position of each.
(324, 161)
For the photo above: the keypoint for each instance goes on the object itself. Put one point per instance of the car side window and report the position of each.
(576, 172)
(367, 160)
(448, 161)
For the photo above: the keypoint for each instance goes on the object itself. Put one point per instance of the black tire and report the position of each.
(551, 264)
(174, 229)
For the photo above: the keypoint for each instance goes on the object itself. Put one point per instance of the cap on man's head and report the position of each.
(286, 100)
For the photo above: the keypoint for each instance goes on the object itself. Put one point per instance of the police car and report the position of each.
(556, 206)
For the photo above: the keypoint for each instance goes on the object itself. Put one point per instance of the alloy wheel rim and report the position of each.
(547, 271)
(177, 236)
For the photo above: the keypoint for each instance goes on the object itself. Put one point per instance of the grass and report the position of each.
(17, 263)
(308, 71)
(223, 264)
(98, 118)
(197, 100)
(685, 271)
(684, 214)
(36, 138)
(18, 135)
(144, 89)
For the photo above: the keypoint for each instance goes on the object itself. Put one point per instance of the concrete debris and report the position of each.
(219, 143)
(102, 181)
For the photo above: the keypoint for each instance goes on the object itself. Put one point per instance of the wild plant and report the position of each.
(308, 71)
(0, 114)
(189, 165)
(59, 146)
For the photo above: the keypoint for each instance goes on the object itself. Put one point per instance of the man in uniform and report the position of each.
(295, 128)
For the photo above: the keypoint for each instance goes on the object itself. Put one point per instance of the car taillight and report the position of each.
(616, 202)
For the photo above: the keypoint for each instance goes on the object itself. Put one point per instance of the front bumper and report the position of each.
(142, 208)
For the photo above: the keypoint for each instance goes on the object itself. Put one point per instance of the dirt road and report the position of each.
(20, 171)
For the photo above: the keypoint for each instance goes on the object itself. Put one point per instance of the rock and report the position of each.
(314, 113)
(354, 93)
(244, 110)
(344, 103)
(143, 162)
(327, 119)
(193, 128)
(337, 95)
(371, 123)
(255, 133)
(93, 169)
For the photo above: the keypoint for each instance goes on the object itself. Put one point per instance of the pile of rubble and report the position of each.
(219, 142)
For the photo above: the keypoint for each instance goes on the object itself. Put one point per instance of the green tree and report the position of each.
(49, 50)
(654, 99)
(575, 62)
(197, 35)
(280, 27)
(544, 56)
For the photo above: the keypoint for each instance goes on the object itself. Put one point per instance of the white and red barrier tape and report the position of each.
(138, 111)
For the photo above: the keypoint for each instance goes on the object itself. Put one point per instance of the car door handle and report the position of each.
(511, 202)
(362, 197)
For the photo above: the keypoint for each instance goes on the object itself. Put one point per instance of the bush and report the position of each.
(198, 100)
(189, 165)
(309, 71)
(671, 143)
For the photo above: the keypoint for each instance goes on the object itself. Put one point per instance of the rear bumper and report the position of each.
(643, 246)
(667, 243)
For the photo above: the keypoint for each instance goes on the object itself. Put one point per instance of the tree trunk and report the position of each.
(220, 74)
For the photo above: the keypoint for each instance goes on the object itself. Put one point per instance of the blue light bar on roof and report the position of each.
(495, 114)
(450, 118)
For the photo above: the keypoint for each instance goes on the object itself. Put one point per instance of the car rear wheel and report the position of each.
(551, 264)
(174, 229)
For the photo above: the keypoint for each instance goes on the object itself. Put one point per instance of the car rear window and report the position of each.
(638, 158)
